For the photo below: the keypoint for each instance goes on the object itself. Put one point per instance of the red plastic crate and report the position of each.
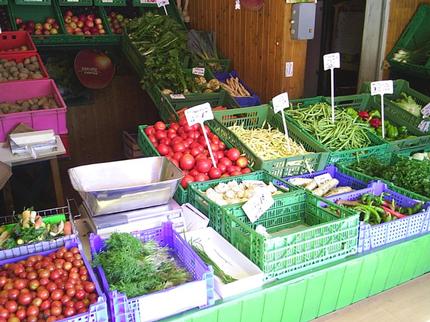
(14, 39)
(19, 57)
(38, 120)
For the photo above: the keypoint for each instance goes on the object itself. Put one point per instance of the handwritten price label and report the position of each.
(177, 96)
(199, 71)
(381, 87)
(162, 3)
(198, 114)
(331, 61)
(260, 202)
(280, 102)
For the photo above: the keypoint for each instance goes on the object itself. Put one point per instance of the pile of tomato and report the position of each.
(46, 288)
(186, 147)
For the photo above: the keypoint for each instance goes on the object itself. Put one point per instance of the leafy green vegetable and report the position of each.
(413, 175)
(408, 103)
(136, 268)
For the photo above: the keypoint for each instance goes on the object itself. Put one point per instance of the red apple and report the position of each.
(102, 31)
(75, 19)
(89, 23)
(50, 20)
(98, 21)
(47, 26)
(80, 24)
(68, 13)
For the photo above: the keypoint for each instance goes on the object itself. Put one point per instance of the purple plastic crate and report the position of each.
(253, 100)
(372, 236)
(43, 245)
(344, 179)
(163, 303)
(98, 311)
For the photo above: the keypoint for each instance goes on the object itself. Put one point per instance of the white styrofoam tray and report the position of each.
(230, 260)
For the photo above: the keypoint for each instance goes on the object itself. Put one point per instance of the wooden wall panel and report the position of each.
(257, 42)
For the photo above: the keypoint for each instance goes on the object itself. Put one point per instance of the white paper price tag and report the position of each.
(322, 178)
(331, 61)
(280, 102)
(199, 71)
(198, 114)
(177, 96)
(260, 202)
(162, 3)
(381, 87)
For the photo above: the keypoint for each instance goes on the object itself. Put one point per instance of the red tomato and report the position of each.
(202, 141)
(3, 281)
(149, 130)
(174, 126)
(78, 263)
(43, 273)
(201, 156)
(215, 173)
(152, 139)
(56, 295)
(19, 284)
(12, 294)
(165, 141)
(24, 298)
(159, 125)
(163, 149)
(235, 173)
(219, 154)
(67, 266)
(21, 314)
(186, 180)
(32, 310)
(242, 162)
(221, 167)
(160, 135)
(37, 301)
(227, 162)
(89, 287)
(187, 162)
(178, 147)
(43, 293)
(233, 168)
(55, 310)
(4, 314)
(45, 305)
(246, 170)
(214, 147)
(183, 121)
(203, 166)
(171, 136)
(233, 154)
(11, 306)
(51, 286)
(80, 294)
(69, 311)
(221, 146)
(70, 292)
(34, 284)
(200, 177)
(55, 275)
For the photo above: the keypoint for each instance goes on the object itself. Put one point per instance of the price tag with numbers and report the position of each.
(177, 96)
(331, 61)
(280, 102)
(199, 71)
(381, 87)
(198, 114)
(258, 204)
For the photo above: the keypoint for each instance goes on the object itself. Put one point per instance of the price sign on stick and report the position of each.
(163, 3)
(198, 115)
(199, 71)
(332, 61)
(281, 102)
(381, 88)
(258, 204)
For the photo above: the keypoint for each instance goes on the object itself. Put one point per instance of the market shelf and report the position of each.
(307, 296)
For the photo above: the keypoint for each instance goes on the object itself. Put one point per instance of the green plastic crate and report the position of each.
(303, 235)
(393, 110)
(38, 14)
(8, 25)
(172, 10)
(416, 34)
(3, 2)
(388, 158)
(256, 117)
(148, 150)
(215, 65)
(378, 148)
(73, 3)
(168, 113)
(32, 2)
(110, 3)
(409, 152)
(132, 54)
(392, 115)
(213, 211)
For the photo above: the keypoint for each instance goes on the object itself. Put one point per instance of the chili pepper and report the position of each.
(375, 122)
(394, 213)
(364, 115)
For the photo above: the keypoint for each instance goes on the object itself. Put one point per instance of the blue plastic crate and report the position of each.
(253, 100)
(97, 312)
(163, 302)
(344, 179)
(373, 236)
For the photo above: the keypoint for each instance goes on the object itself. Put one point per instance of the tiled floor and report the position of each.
(409, 302)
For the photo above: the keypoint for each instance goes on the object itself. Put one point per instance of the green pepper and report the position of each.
(403, 131)
(379, 131)
(392, 132)
(375, 113)
(351, 112)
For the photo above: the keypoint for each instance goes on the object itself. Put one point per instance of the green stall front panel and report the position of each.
(307, 296)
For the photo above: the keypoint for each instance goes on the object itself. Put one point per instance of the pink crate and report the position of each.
(54, 119)
(13, 39)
